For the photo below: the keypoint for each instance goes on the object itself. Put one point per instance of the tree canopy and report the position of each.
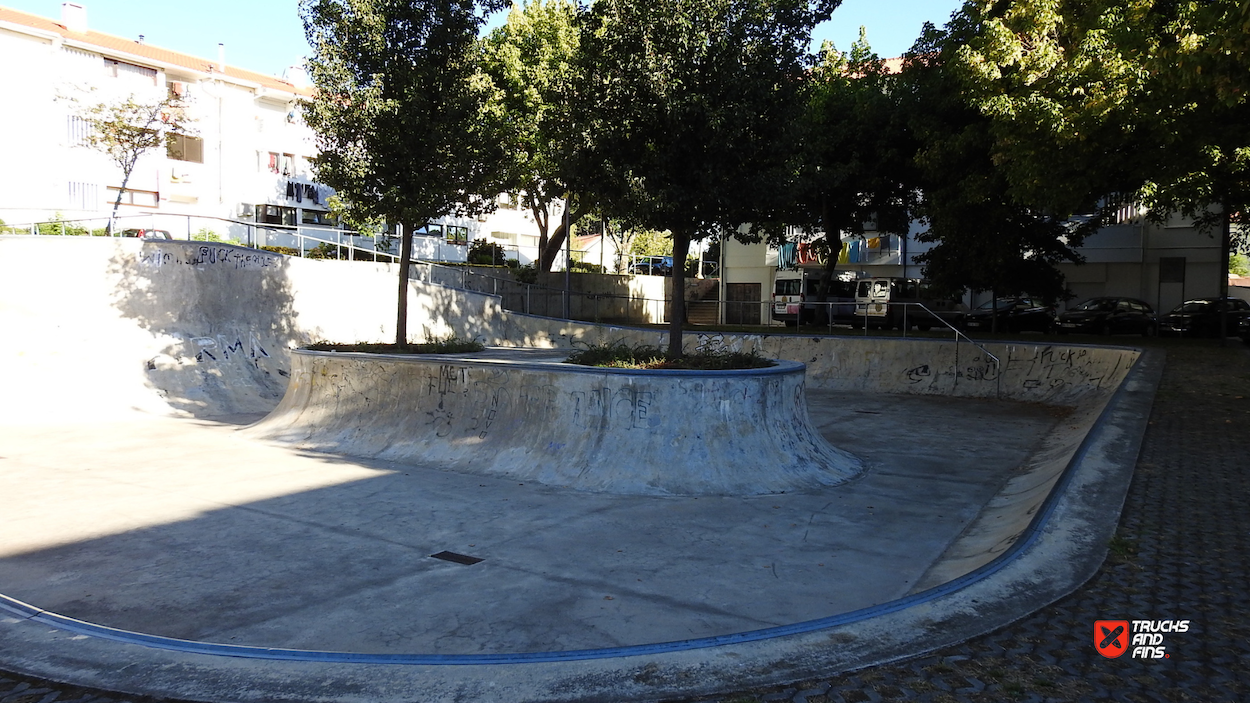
(693, 128)
(530, 62)
(1146, 98)
(856, 164)
(987, 238)
(399, 113)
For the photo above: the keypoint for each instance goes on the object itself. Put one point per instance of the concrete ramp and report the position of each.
(622, 431)
(96, 328)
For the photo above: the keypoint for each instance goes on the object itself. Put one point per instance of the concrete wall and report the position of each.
(121, 324)
(99, 326)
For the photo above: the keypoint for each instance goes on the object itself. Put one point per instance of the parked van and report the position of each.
(796, 296)
(879, 303)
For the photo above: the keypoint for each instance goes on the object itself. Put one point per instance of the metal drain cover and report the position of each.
(458, 558)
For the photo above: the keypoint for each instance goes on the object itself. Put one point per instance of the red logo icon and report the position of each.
(1111, 637)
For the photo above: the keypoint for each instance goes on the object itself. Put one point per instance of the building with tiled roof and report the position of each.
(246, 159)
(244, 173)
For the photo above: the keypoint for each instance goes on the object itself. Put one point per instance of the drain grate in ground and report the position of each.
(458, 558)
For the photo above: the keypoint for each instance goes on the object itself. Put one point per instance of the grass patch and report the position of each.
(450, 345)
(623, 356)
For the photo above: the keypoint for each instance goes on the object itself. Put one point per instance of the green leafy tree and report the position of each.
(126, 129)
(693, 124)
(858, 153)
(987, 238)
(530, 62)
(1146, 99)
(399, 113)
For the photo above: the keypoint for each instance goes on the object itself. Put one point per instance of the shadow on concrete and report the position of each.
(223, 317)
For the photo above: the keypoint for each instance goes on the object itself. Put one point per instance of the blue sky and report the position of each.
(266, 35)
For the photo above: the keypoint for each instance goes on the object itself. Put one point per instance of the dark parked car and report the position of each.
(1201, 317)
(1014, 315)
(653, 266)
(147, 233)
(1108, 316)
(1243, 330)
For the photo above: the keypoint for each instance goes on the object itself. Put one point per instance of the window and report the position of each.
(123, 70)
(181, 147)
(275, 215)
(430, 230)
(457, 235)
(139, 198)
(288, 164)
(318, 217)
(84, 196)
(77, 131)
(269, 162)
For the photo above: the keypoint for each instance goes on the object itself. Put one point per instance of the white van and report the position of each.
(879, 303)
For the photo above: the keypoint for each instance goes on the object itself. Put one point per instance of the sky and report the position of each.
(266, 36)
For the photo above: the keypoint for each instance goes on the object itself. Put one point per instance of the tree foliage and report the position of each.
(1146, 98)
(692, 129)
(530, 63)
(987, 238)
(126, 129)
(857, 162)
(399, 113)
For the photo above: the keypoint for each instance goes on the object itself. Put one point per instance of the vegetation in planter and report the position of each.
(447, 345)
(622, 356)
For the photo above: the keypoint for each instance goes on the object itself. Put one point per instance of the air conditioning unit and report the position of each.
(246, 210)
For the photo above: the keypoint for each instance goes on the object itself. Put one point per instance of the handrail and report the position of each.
(998, 364)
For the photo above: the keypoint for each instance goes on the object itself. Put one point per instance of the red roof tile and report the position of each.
(117, 46)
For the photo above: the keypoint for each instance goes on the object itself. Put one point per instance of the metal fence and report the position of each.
(317, 241)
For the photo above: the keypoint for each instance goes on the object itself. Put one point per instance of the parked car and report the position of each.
(1109, 316)
(654, 266)
(1200, 317)
(1014, 314)
(1243, 330)
(147, 233)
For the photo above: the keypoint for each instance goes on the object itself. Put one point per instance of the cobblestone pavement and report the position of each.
(1182, 552)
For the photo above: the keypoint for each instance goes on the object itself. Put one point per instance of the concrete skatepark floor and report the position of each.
(185, 529)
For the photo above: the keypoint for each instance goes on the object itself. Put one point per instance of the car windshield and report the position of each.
(1194, 306)
(1097, 304)
(1000, 304)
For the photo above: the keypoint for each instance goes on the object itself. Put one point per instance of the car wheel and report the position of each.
(1105, 330)
(1149, 331)
(792, 323)
(923, 328)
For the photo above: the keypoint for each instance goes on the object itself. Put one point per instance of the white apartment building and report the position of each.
(243, 174)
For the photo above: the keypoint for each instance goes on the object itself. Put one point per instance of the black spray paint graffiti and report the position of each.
(221, 349)
(212, 256)
(1045, 368)
(603, 407)
(473, 401)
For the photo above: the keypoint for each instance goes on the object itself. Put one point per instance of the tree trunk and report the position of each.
(681, 247)
(551, 250)
(401, 322)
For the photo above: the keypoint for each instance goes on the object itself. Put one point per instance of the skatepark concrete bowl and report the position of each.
(152, 545)
(622, 431)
